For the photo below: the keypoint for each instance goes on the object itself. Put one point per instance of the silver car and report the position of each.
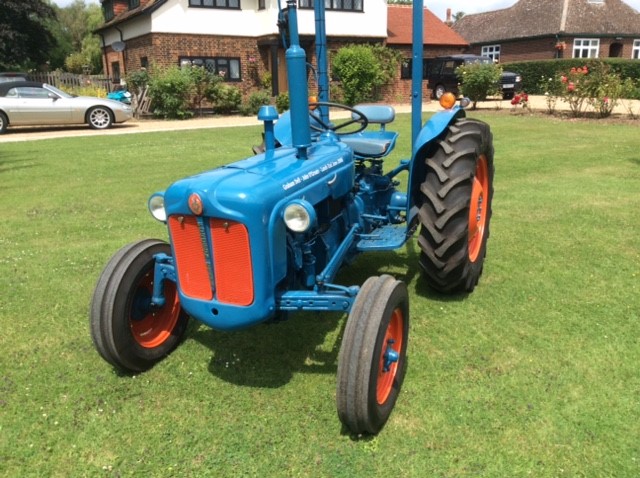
(33, 103)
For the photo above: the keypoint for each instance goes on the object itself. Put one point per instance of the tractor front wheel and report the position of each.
(456, 207)
(372, 359)
(128, 330)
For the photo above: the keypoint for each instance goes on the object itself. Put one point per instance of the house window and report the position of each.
(234, 4)
(134, 4)
(144, 62)
(341, 5)
(492, 51)
(261, 5)
(226, 68)
(107, 10)
(635, 54)
(586, 47)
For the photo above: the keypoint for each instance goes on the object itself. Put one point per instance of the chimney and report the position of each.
(448, 21)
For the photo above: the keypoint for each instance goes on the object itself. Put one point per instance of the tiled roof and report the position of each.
(399, 27)
(537, 18)
(146, 6)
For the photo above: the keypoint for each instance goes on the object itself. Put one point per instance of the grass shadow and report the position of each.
(268, 355)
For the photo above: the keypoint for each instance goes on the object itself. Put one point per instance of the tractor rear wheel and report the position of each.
(372, 359)
(128, 331)
(456, 207)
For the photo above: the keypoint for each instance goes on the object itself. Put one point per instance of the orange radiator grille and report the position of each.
(232, 262)
(191, 260)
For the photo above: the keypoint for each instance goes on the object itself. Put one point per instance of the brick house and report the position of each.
(547, 29)
(439, 40)
(239, 39)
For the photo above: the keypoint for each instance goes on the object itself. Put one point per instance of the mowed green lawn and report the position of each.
(534, 374)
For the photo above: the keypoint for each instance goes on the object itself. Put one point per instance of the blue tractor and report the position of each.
(261, 238)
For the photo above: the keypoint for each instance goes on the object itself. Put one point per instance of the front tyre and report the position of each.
(372, 359)
(456, 208)
(127, 330)
(100, 117)
(4, 122)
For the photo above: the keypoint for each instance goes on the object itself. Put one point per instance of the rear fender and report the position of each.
(424, 145)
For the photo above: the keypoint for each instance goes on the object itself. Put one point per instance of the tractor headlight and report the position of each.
(299, 215)
(156, 207)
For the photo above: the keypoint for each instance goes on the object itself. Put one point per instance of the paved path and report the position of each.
(143, 126)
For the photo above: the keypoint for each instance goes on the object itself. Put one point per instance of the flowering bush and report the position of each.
(521, 99)
(604, 89)
(553, 89)
(575, 91)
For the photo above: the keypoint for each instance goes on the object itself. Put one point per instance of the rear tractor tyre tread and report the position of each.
(452, 261)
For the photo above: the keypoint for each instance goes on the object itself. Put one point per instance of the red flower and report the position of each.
(564, 79)
(571, 86)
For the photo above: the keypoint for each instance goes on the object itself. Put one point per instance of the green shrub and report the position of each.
(282, 102)
(171, 91)
(254, 102)
(604, 89)
(137, 80)
(362, 69)
(225, 98)
(479, 80)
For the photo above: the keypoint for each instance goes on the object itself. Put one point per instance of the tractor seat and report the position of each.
(373, 144)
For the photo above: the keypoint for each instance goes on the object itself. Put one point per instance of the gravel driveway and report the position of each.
(149, 125)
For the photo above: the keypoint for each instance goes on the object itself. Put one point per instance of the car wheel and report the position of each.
(438, 91)
(508, 95)
(100, 117)
(4, 122)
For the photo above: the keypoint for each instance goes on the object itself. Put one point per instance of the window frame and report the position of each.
(579, 45)
(107, 10)
(214, 4)
(635, 50)
(203, 60)
(333, 5)
(492, 51)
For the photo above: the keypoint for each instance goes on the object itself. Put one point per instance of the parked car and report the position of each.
(33, 103)
(13, 76)
(441, 74)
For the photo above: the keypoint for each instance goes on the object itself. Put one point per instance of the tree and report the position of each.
(457, 16)
(80, 48)
(26, 39)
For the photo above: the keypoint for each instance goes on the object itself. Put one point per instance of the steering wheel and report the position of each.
(321, 126)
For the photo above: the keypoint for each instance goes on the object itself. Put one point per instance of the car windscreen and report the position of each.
(58, 91)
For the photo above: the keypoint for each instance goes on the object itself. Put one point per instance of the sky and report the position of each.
(439, 7)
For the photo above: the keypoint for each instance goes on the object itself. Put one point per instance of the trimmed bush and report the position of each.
(171, 91)
(254, 102)
(479, 80)
(362, 70)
